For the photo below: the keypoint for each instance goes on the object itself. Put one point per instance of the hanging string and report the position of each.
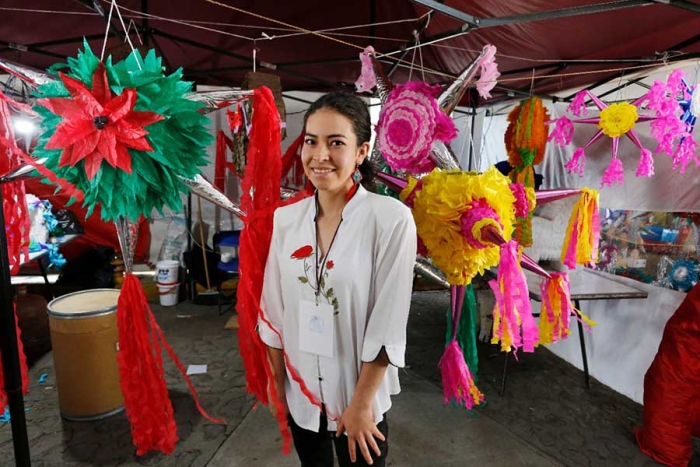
(192, 23)
(315, 33)
(136, 30)
(126, 34)
(420, 56)
(429, 70)
(255, 56)
(413, 58)
(104, 43)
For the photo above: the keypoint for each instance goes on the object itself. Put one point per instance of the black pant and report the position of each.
(316, 449)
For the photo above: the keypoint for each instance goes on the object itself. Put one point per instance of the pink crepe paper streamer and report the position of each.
(563, 131)
(646, 164)
(684, 154)
(479, 210)
(522, 207)
(367, 79)
(513, 301)
(615, 173)
(489, 72)
(662, 97)
(578, 105)
(577, 163)
(666, 130)
(457, 381)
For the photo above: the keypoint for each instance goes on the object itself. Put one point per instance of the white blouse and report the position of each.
(368, 281)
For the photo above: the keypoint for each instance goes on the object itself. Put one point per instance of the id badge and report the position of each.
(316, 328)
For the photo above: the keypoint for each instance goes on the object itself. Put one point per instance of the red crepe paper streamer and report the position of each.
(17, 226)
(262, 174)
(142, 377)
(262, 177)
(14, 204)
(291, 162)
(220, 164)
(234, 119)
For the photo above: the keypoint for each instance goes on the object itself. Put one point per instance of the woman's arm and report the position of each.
(358, 419)
(276, 359)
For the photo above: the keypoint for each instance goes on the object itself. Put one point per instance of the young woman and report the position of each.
(338, 290)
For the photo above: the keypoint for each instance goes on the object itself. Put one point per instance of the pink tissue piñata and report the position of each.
(409, 123)
(489, 72)
(367, 79)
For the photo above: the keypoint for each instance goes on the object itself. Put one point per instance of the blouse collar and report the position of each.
(350, 207)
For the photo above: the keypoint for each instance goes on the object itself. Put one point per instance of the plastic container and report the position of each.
(168, 293)
(167, 271)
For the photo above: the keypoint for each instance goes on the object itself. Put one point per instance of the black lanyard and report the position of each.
(324, 260)
(319, 271)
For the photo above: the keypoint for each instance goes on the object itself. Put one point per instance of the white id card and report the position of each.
(316, 328)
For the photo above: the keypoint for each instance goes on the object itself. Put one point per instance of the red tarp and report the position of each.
(630, 33)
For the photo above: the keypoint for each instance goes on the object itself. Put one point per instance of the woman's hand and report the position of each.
(358, 423)
(281, 395)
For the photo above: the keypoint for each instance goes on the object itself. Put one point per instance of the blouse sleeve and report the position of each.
(271, 303)
(392, 291)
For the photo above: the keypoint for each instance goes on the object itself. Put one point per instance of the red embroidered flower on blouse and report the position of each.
(303, 252)
(329, 265)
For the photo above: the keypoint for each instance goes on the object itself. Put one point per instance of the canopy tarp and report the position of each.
(214, 41)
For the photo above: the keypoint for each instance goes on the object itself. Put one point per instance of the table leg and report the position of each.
(504, 378)
(42, 268)
(584, 357)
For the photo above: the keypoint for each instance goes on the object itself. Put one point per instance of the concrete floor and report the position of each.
(546, 418)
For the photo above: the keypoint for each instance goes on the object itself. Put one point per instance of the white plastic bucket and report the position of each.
(167, 271)
(168, 293)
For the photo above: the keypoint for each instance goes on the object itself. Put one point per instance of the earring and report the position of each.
(357, 175)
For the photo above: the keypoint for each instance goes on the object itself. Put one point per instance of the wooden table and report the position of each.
(586, 284)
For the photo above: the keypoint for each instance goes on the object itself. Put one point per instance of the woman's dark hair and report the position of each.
(354, 109)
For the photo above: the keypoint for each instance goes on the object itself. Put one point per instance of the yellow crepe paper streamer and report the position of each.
(583, 232)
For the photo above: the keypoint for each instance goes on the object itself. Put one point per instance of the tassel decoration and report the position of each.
(557, 309)
(513, 309)
(457, 381)
(583, 232)
(141, 374)
(458, 384)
